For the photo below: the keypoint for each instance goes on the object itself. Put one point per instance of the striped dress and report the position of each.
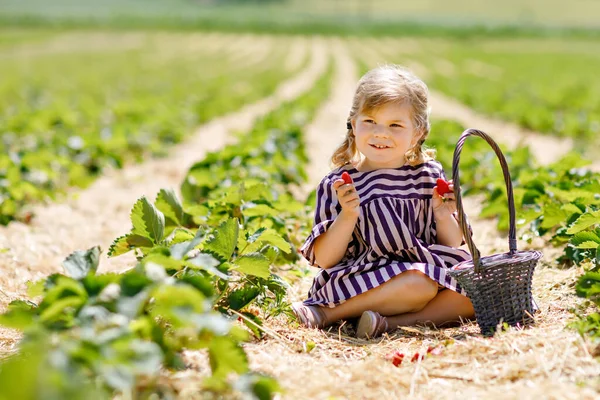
(395, 232)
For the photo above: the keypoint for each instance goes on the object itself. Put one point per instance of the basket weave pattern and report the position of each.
(498, 285)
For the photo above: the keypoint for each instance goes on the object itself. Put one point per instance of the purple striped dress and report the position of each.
(395, 232)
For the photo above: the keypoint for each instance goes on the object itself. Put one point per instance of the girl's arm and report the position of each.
(331, 246)
(448, 230)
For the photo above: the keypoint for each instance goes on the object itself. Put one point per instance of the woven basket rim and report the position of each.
(495, 260)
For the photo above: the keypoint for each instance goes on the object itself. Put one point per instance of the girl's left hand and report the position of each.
(444, 205)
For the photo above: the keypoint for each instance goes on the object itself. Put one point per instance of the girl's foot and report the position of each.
(309, 316)
(371, 325)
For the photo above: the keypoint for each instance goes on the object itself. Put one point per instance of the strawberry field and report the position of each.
(156, 185)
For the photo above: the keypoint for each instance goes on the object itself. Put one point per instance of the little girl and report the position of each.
(385, 241)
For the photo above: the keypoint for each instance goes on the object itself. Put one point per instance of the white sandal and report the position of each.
(309, 316)
(371, 325)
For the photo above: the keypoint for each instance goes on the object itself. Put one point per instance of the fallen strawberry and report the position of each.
(442, 187)
(418, 356)
(436, 351)
(347, 178)
(396, 358)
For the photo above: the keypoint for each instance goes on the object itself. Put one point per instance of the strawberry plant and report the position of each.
(120, 331)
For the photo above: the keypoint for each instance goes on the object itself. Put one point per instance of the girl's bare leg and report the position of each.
(446, 308)
(408, 292)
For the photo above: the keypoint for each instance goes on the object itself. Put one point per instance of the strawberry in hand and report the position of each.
(443, 187)
(347, 195)
(347, 178)
(443, 198)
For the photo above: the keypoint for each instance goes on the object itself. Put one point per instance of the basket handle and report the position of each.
(512, 232)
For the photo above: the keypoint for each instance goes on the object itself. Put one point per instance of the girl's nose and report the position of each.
(379, 130)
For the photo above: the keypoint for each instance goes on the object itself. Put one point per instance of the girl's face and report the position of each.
(384, 135)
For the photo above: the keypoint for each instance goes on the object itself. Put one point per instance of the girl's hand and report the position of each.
(444, 205)
(347, 197)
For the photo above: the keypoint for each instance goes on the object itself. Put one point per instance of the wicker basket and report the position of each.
(499, 285)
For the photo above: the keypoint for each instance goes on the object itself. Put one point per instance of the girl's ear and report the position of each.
(352, 124)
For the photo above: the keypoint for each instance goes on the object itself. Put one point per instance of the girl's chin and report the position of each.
(385, 162)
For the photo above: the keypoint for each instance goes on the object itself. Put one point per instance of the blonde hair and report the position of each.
(383, 85)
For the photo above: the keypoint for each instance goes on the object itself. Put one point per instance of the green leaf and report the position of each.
(570, 208)
(35, 289)
(226, 357)
(589, 286)
(60, 308)
(180, 250)
(133, 282)
(266, 236)
(588, 245)
(225, 239)
(584, 221)
(553, 215)
(207, 263)
(175, 303)
(80, 263)
(126, 243)
(20, 315)
(199, 281)
(180, 235)
(254, 237)
(253, 264)
(272, 237)
(168, 203)
(264, 387)
(147, 220)
(168, 263)
(257, 386)
(257, 191)
(143, 357)
(582, 237)
(252, 324)
(240, 298)
(258, 210)
(132, 306)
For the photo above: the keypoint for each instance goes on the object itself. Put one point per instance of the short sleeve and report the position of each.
(327, 209)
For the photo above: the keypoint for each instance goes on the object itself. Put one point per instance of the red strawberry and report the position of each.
(396, 358)
(347, 178)
(442, 187)
(436, 351)
(416, 357)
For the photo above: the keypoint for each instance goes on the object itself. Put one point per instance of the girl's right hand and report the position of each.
(347, 197)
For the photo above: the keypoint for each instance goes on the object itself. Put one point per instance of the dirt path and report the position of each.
(99, 214)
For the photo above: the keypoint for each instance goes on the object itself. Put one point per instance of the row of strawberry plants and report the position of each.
(202, 263)
(65, 117)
